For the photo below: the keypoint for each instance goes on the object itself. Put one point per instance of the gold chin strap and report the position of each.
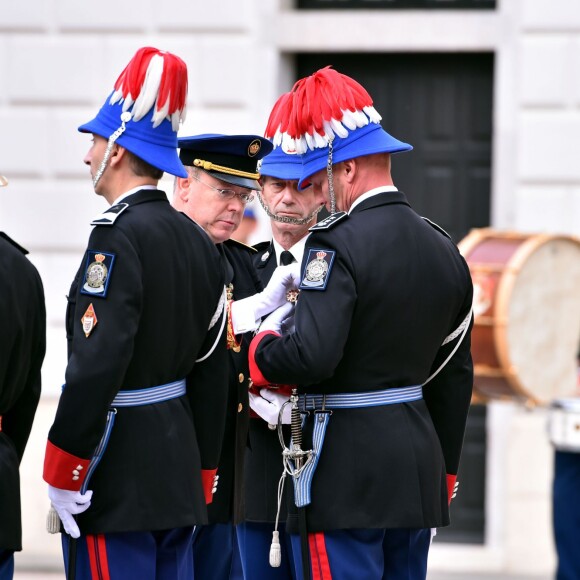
(209, 166)
(3, 181)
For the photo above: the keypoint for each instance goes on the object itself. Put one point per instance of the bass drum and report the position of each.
(526, 303)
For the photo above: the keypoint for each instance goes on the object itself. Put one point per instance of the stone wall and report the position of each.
(59, 59)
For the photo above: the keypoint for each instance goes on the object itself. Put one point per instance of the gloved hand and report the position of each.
(246, 313)
(274, 295)
(68, 503)
(268, 404)
(279, 319)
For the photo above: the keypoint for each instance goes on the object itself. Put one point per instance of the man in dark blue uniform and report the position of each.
(380, 353)
(222, 178)
(22, 343)
(135, 443)
(291, 212)
(565, 505)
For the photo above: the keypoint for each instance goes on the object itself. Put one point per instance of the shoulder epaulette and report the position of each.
(261, 246)
(108, 217)
(13, 243)
(232, 242)
(328, 222)
(437, 227)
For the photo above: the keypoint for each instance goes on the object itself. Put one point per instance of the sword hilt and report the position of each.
(296, 426)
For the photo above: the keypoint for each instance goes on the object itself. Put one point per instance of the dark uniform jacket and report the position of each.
(263, 466)
(395, 288)
(152, 313)
(228, 502)
(22, 343)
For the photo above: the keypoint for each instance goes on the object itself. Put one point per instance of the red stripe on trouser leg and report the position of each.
(98, 562)
(319, 557)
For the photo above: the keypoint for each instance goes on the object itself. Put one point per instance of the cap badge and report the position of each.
(254, 147)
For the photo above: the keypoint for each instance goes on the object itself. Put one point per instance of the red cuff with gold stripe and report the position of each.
(207, 483)
(451, 480)
(256, 375)
(63, 470)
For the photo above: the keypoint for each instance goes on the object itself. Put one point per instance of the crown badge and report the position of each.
(254, 147)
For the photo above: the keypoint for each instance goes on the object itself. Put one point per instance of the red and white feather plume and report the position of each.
(153, 78)
(318, 108)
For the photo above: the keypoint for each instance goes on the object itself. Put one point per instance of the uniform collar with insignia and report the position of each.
(131, 192)
(328, 222)
(233, 242)
(15, 244)
(108, 217)
(371, 193)
(297, 250)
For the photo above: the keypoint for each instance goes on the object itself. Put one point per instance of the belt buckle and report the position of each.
(323, 411)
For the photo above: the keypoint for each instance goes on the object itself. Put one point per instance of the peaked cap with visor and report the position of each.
(233, 159)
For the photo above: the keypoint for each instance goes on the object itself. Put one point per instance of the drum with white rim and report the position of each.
(527, 313)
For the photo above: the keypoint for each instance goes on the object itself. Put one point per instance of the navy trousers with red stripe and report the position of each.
(162, 555)
(566, 514)
(399, 554)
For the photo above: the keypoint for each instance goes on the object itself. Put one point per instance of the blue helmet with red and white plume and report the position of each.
(328, 116)
(281, 165)
(145, 109)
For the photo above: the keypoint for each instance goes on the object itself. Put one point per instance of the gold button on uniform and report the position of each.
(241, 377)
(240, 407)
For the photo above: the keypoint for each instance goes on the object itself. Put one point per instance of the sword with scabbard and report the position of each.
(299, 458)
(53, 527)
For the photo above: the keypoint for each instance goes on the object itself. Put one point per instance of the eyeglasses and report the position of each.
(228, 193)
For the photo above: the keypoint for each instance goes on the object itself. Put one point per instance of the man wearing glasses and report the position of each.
(222, 178)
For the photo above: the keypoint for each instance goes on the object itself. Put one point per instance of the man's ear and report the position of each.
(117, 155)
(182, 187)
(350, 168)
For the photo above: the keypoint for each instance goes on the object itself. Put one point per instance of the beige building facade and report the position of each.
(60, 58)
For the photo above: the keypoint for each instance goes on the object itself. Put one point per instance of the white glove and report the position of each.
(279, 319)
(268, 404)
(68, 503)
(246, 313)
